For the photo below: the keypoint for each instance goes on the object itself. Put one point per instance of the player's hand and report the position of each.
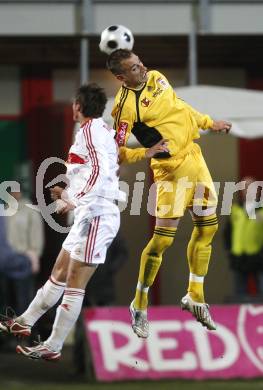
(56, 192)
(62, 206)
(161, 146)
(221, 126)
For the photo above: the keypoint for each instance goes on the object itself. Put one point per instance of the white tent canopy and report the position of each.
(243, 107)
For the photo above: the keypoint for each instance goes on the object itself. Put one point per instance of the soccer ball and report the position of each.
(116, 37)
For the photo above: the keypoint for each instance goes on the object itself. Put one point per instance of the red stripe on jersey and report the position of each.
(91, 239)
(94, 161)
(91, 244)
(75, 159)
(95, 166)
(90, 254)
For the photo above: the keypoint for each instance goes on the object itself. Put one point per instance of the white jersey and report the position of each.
(92, 169)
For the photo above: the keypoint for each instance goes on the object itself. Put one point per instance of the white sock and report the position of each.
(66, 316)
(46, 297)
(196, 278)
(142, 287)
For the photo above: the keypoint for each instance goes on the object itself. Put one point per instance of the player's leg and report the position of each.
(51, 292)
(46, 297)
(79, 274)
(167, 220)
(151, 258)
(203, 210)
(172, 198)
(87, 254)
(150, 263)
(199, 252)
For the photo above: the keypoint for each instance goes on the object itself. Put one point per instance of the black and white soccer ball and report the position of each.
(116, 37)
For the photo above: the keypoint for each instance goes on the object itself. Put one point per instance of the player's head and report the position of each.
(127, 67)
(90, 101)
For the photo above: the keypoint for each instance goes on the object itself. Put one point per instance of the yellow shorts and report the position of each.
(183, 182)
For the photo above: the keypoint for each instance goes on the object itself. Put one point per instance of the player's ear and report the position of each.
(78, 107)
(120, 77)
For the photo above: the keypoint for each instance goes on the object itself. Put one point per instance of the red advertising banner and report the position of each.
(178, 346)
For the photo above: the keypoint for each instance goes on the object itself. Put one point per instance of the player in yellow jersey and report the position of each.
(147, 106)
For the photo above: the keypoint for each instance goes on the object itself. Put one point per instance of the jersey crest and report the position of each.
(145, 102)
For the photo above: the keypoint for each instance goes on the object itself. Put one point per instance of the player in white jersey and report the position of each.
(92, 169)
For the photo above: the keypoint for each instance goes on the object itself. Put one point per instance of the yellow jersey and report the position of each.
(152, 113)
(247, 234)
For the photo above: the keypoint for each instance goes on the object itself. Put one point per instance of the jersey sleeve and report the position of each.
(131, 155)
(203, 121)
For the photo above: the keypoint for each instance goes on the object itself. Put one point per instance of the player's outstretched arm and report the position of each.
(130, 156)
(133, 155)
(221, 126)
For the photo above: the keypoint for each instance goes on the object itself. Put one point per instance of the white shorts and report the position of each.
(88, 240)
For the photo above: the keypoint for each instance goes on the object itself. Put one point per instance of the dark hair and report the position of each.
(115, 58)
(92, 100)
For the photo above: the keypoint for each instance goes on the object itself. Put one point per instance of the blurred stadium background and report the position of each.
(48, 47)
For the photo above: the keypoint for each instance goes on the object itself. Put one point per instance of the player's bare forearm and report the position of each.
(161, 146)
(221, 126)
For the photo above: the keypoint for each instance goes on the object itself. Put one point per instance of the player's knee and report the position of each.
(204, 235)
(213, 229)
(210, 230)
(159, 244)
(205, 228)
(59, 273)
